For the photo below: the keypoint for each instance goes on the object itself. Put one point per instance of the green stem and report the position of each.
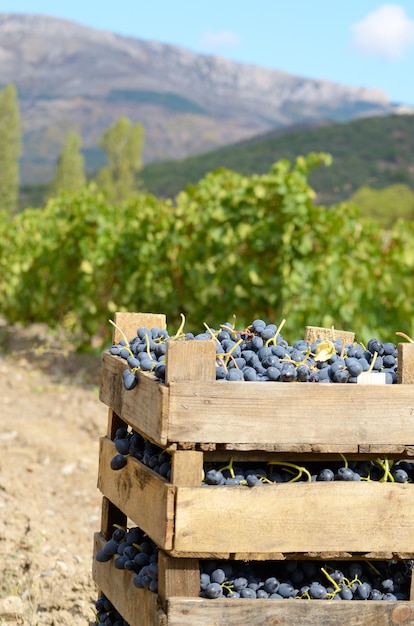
(277, 333)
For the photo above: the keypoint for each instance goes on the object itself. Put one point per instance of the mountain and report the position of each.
(375, 152)
(69, 76)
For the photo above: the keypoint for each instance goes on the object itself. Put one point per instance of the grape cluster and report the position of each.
(106, 613)
(260, 353)
(380, 470)
(130, 443)
(133, 550)
(338, 580)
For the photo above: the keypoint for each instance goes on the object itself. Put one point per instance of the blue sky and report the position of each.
(363, 43)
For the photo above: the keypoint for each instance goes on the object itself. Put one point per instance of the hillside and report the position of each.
(71, 76)
(377, 151)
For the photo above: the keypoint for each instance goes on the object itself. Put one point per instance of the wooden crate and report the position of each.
(268, 521)
(178, 605)
(191, 407)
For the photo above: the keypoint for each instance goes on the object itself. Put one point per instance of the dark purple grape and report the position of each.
(118, 461)
(129, 379)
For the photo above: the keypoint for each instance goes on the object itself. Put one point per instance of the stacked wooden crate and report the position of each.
(199, 420)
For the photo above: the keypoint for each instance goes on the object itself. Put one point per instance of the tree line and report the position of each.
(122, 143)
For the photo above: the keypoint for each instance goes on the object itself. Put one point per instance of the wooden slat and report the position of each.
(138, 607)
(190, 360)
(300, 517)
(177, 577)
(291, 413)
(130, 322)
(189, 612)
(406, 363)
(146, 498)
(145, 407)
(187, 468)
(312, 333)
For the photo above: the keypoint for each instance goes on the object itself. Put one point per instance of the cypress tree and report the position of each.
(70, 170)
(10, 148)
(122, 143)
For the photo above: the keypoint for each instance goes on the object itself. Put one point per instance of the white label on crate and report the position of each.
(372, 379)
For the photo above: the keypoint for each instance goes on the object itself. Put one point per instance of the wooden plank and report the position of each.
(130, 322)
(145, 407)
(300, 517)
(190, 360)
(406, 363)
(144, 496)
(291, 413)
(177, 577)
(138, 607)
(187, 612)
(312, 333)
(187, 468)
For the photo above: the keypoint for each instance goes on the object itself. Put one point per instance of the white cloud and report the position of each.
(387, 32)
(222, 39)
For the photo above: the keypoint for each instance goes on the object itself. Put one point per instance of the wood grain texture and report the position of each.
(291, 413)
(406, 363)
(146, 498)
(190, 360)
(194, 611)
(312, 333)
(130, 322)
(300, 517)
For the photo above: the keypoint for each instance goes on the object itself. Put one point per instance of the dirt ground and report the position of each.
(50, 423)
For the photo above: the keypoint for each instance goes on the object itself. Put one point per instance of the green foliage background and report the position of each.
(229, 245)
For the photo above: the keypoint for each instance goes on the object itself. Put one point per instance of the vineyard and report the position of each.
(230, 245)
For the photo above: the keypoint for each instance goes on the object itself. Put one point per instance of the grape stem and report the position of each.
(120, 331)
(300, 470)
(277, 333)
(179, 332)
(331, 580)
(404, 336)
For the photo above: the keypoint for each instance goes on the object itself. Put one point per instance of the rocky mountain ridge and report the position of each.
(73, 76)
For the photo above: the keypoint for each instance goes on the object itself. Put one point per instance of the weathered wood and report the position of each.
(292, 416)
(312, 333)
(301, 517)
(190, 360)
(177, 577)
(144, 496)
(145, 408)
(129, 323)
(139, 607)
(187, 468)
(406, 363)
(188, 612)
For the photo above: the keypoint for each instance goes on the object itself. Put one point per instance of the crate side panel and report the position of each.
(138, 607)
(142, 495)
(129, 323)
(284, 613)
(291, 413)
(301, 517)
(144, 407)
